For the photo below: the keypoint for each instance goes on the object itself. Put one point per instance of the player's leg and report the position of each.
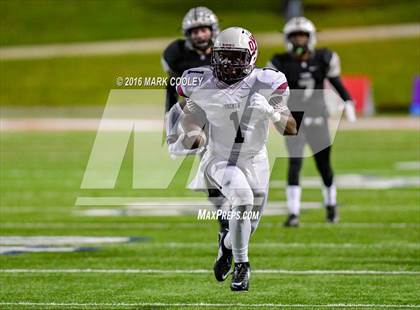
(320, 143)
(235, 188)
(260, 200)
(220, 203)
(258, 178)
(257, 172)
(295, 147)
(329, 191)
(240, 233)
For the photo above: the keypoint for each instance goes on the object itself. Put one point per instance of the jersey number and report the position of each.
(308, 84)
(239, 137)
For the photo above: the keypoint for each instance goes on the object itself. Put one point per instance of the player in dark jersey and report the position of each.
(200, 27)
(306, 69)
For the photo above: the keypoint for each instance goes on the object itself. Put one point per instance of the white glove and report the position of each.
(350, 111)
(172, 119)
(260, 103)
(177, 148)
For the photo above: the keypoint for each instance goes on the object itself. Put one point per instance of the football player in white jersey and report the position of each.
(237, 101)
(200, 27)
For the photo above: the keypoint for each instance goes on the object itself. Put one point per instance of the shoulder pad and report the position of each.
(325, 55)
(272, 81)
(279, 59)
(173, 51)
(192, 79)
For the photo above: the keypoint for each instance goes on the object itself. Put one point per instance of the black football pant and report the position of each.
(313, 131)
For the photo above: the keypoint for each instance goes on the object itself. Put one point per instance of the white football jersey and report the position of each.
(235, 129)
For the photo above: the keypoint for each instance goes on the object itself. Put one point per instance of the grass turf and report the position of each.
(37, 22)
(40, 179)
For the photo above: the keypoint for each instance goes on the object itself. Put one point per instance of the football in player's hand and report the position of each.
(194, 139)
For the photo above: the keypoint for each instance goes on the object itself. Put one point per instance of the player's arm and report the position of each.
(173, 102)
(192, 138)
(274, 103)
(333, 75)
(277, 111)
(172, 119)
(193, 122)
(282, 117)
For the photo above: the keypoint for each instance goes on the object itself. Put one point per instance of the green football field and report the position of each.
(371, 259)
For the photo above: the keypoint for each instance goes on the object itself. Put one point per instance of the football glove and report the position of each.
(172, 119)
(260, 104)
(350, 111)
(178, 149)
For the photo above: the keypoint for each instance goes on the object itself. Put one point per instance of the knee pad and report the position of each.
(259, 197)
(242, 197)
(235, 186)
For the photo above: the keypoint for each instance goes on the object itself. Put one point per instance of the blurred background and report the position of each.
(66, 73)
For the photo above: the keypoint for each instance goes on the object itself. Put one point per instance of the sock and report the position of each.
(293, 193)
(240, 232)
(330, 195)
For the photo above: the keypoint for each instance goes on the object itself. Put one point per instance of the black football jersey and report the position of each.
(177, 58)
(308, 76)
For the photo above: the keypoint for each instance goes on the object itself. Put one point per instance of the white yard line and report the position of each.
(206, 305)
(78, 124)
(134, 206)
(156, 125)
(321, 245)
(37, 249)
(174, 210)
(407, 165)
(60, 240)
(358, 181)
(140, 225)
(63, 240)
(205, 271)
(142, 46)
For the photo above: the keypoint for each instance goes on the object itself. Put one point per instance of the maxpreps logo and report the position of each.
(204, 214)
